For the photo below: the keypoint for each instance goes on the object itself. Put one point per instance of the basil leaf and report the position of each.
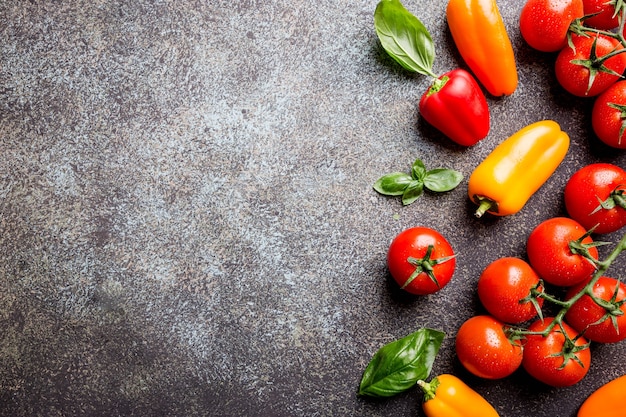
(393, 184)
(398, 366)
(412, 192)
(442, 179)
(404, 37)
(418, 170)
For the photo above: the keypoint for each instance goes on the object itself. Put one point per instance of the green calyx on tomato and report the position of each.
(425, 265)
(397, 366)
(595, 63)
(582, 248)
(615, 199)
(555, 354)
(571, 348)
(411, 186)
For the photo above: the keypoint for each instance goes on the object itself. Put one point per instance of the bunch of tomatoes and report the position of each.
(561, 255)
(588, 37)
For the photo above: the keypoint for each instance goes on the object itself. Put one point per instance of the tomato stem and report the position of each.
(610, 306)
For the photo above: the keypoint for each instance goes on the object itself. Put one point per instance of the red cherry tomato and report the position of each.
(599, 323)
(604, 14)
(549, 249)
(554, 359)
(544, 23)
(608, 117)
(484, 349)
(595, 196)
(583, 72)
(421, 260)
(504, 289)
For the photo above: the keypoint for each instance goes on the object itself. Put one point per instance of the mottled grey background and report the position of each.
(187, 224)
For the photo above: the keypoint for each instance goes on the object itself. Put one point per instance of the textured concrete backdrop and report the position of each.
(187, 220)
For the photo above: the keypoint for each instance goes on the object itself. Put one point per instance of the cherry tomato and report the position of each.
(599, 324)
(575, 66)
(544, 23)
(605, 18)
(421, 260)
(550, 248)
(484, 349)
(608, 116)
(504, 289)
(595, 196)
(554, 359)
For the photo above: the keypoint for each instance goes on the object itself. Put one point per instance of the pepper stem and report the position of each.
(429, 388)
(484, 206)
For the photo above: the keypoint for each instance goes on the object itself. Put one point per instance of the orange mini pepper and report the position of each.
(481, 38)
(517, 168)
(448, 396)
(606, 401)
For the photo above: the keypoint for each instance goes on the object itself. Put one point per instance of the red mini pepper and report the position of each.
(456, 106)
(454, 103)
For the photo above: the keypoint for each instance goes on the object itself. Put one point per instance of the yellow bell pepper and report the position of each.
(481, 38)
(517, 168)
(448, 396)
(606, 401)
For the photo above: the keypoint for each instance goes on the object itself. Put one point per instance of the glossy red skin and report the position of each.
(574, 78)
(604, 20)
(544, 23)
(484, 350)
(585, 313)
(414, 243)
(503, 284)
(607, 121)
(549, 254)
(539, 360)
(459, 109)
(584, 191)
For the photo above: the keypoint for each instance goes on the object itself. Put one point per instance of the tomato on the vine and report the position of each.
(602, 324)
(505, 289)
(544, 23)
(484, 349)
(595, 196)
(603, 12)
(584, 70)
(421, 260)
(555, 359)
(561, 251)
(608, 116)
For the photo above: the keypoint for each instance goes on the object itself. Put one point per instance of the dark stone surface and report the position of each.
(187, 221)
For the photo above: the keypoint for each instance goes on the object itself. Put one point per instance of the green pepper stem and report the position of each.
(429, 388)
(484, 206)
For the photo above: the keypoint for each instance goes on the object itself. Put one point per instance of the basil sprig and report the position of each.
(404, 37)
(398, 366)
(411, 186)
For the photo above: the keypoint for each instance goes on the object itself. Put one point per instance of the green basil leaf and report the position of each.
(393, 184)
(412, 192)
(442, 179)
(418, 170)
(404, 37)
(398, 366)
